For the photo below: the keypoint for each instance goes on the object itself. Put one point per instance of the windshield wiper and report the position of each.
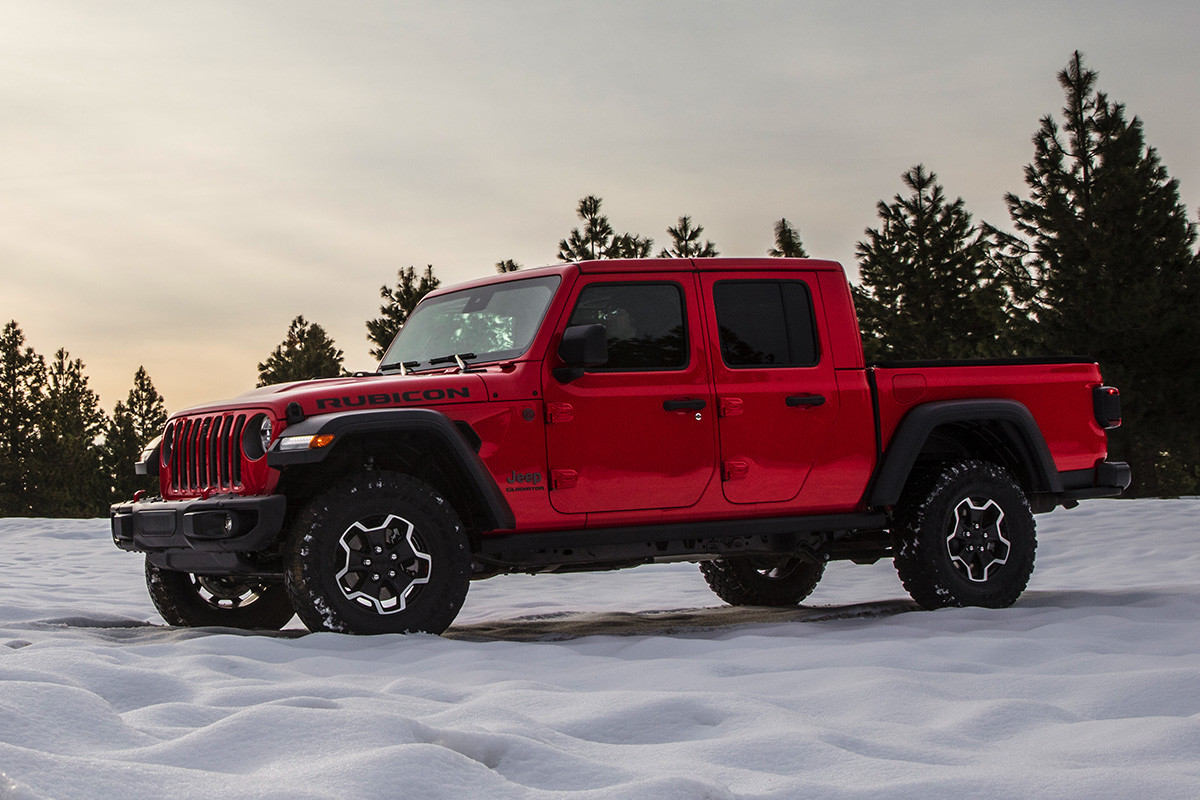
(403, 366)
(458, 358)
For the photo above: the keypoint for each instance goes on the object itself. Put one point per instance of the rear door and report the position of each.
(640, 431)
(775, 383)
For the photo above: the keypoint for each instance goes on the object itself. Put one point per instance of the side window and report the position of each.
(644, 321)
(765, 323)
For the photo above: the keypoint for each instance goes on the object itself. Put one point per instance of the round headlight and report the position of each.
(264, 433)
(256, 437)
(168, 444)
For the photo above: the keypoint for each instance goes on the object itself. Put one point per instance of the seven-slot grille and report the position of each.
(206, 453)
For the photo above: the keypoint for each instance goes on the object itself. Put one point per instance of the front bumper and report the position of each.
(199, 535)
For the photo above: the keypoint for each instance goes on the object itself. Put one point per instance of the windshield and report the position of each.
(487, 323)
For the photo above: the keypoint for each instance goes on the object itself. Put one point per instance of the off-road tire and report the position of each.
(964, 535)
(193, 601)
(380, 552)
(762, 581)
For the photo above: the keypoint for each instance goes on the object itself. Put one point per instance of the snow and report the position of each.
(637, 684)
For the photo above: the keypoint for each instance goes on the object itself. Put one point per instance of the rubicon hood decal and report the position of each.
(325, 396)
(394, 398)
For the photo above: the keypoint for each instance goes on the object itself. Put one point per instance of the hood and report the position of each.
(332, 395)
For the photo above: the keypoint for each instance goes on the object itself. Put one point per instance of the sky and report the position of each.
(179, 180)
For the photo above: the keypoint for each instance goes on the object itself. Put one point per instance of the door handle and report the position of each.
(684, 405)
(798, 400)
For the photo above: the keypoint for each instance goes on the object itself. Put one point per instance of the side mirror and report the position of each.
(581, 346)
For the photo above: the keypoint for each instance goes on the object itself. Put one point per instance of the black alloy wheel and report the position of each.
(964, 536)
(185, 599)
(380, 552)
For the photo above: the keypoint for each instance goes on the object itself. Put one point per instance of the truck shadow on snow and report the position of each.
(558, 626)
(670, 622)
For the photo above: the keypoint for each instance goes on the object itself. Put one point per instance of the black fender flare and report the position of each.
(423, 420)
(914, 430)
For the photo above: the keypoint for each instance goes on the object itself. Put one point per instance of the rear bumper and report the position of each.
(225, 524)
(1108, 479)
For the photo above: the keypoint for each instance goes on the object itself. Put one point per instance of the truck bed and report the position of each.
(1057, 392)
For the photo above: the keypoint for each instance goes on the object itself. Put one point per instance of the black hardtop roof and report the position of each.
(707, 265)
(641, 265)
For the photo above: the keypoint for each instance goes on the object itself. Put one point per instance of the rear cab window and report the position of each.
(765, 323)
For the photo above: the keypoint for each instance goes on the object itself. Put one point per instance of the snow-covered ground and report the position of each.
(636, 684)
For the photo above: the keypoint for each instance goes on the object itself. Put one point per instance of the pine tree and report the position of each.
(593, 240)
(685, 241)
(1109, 242)
(69, 478)
(122, 449)
(597, 238)
(629, 245)
(933, 283)
(22, 394)
(307, 352)
(506, 266)
(401, 301)
(787, 242)
(134, 424)
(146, 406)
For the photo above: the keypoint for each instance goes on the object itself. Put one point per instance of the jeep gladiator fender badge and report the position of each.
(525, 482)
(395, 398)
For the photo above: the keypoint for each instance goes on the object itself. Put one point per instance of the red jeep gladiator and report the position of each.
(607, 414)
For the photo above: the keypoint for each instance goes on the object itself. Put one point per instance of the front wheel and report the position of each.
(964, 536)
(188, 600)
(380, 552)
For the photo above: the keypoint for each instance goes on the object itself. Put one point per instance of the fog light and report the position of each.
(211, 525)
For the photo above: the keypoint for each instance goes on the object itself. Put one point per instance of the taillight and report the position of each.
(1106, 403)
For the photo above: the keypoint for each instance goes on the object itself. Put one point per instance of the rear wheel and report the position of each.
(381, 552)
(188, 600)
(762, 580)
(964, 536)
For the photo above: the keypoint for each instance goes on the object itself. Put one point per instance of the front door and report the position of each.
(640, 431)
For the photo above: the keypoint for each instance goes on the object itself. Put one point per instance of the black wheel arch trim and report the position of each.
(424, 420)
(917, 426)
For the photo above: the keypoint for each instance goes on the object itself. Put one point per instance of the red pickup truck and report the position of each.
(607, 414)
